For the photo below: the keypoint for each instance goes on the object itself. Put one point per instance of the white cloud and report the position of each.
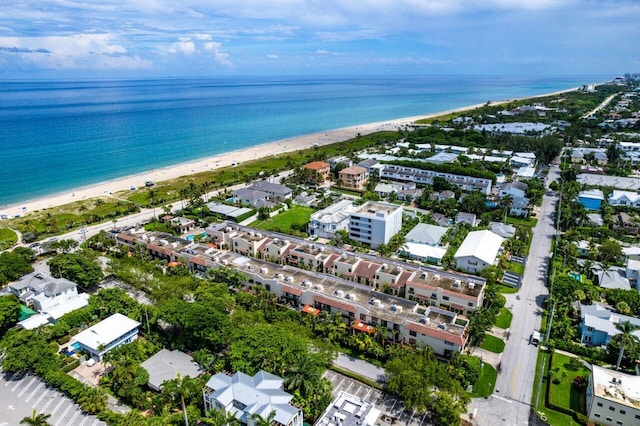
(80, 51)
(272, 56)
(323, 52)
(184, 45)
(220, 57)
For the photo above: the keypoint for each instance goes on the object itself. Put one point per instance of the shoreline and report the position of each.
(213, 163)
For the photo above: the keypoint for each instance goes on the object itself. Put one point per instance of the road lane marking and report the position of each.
(503, 399)
(514, 377)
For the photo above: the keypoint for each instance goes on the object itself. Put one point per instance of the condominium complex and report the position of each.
(419, 306)
(375, 223)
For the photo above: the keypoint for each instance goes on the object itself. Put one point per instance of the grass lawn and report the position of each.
(492, 344)
(506, 289)
(7, 238)
(539, 391)
(283, 222)
(564, 394)
(522, 221)
(486, 382)
(504, 318)
(516, 268)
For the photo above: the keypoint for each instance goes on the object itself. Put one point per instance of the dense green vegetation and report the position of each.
(292, 221)
(7, 238)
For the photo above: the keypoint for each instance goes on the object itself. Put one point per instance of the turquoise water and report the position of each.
(61, 135)
(76, 346)
(193, 237)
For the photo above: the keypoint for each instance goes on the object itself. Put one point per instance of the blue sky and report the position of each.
(161, 38)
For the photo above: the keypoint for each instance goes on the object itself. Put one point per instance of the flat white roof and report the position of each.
(425, 250)
(106, 331)
(34, 321)
(625, 390)
(484, 245)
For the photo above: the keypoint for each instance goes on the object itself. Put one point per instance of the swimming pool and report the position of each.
(76, 346)
(192, 237)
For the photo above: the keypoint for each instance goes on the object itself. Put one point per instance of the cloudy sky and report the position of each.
(146, 38)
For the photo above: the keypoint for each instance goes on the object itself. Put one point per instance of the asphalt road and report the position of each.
(510, 403)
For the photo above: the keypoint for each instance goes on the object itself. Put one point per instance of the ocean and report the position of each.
(61, 135)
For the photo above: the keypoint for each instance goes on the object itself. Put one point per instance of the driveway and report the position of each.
(360, 367)
(510, 403)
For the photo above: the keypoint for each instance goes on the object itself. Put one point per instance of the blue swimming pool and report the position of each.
(192, 237)
(76, 346)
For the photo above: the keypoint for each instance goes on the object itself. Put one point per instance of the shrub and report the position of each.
(580, 383)
(574, 364)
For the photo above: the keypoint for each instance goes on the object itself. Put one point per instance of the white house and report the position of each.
(426, 234)
(515, 189)
(324, 223)
(478, 251)
(423, 243)
(624, 198)
(43, 291)
(375, 223)
(108, 334)
(245, 396)
(613, 398)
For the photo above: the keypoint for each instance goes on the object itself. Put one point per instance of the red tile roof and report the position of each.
(347, 307)
(359, 325)
(291, 290)
(437, 333)
(366, 269)
(316, 165)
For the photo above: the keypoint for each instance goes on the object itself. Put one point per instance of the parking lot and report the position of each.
(393, 409)
(21, 394)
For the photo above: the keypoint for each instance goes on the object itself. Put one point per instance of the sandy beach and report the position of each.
(224, 160)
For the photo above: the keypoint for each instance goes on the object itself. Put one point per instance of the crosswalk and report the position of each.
(20, 394)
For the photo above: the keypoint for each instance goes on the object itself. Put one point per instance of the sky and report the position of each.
(175, 38)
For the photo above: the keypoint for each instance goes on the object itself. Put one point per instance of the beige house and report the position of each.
(323, 169)
(354, 177)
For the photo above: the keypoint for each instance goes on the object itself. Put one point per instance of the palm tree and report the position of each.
(220, 417)
(180, 389)
(303, 376)
(36, 419)
(92, 399)
(263, 421)
(505, 203)
(625, 338)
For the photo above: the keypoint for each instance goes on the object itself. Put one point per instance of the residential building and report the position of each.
(425, 177)
(577, 157)
(583, 247)
(250, 197)
(426, 234)
(632, 252)
(42, 291)
(354, 177)
(470, 218)
(598, 324)
(168, 365)
(180, 224)
(514, 189)
(591, 199)
(106, 335)
(322, 169)
(624, 198)
(372, 165)
(613, 278)
(312, 277)
(478, 250)
(613, 398)
(423, 252)
(628, 223)
(519, 207)
(520, 128)
(600, 158)
(502, 229)
(441, 219)
(384, 189)
(228, 212)
(349, 410)
(601, 180)
(275, 191)
(324, 223)
(245, 396)
(446, 195)
(374, 223)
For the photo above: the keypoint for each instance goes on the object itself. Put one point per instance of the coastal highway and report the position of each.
(510, 402)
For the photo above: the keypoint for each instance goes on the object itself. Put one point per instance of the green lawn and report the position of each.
(504, 318)
(7, 238)
(522, 221)
(539, 391)
(296, 216)
(564, 393)
(486, 382)
(516, 268)
(506, 289)
(492, 344)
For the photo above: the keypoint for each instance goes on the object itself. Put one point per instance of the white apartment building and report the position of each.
(613, 398)
(375, 223)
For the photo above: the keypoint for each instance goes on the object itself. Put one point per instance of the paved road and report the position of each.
(510, 403)
(21, 394)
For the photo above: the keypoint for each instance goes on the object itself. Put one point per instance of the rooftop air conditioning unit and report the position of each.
(264, 270)
(437, 277)
(471, 286)
(351, 296)
(456, 283)
(424, 275)
(442, 325)
(225, 262)
(424, 319)
(227, 229)
(317, 287)
(289, 279)
(339, 293)
(306, 283)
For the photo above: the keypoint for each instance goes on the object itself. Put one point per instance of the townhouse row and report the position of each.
(425, 177)
(426, 307)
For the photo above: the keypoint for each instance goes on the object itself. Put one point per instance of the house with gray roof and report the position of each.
(426, 234)
(167, 365)
(249, 197)
(598, 324)
(245, 396)
(470, 218)
(324, 223)
(502, 229)
(614, 277)
(275, 191)
(515, 189)
(43, 291)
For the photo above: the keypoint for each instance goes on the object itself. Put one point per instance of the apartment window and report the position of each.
(612, 408)
(596, 414)
(374, 320)
(609, 419)
(619, 422)
(363, 317)
(411, 290)
(599, 404)
(448, 343)
(445, 297)
(623, 412)
(470, 304)
(434, 296)
(637, 416)
(396, 327)
(412, 333)
(383, 323)
(351, 315)
(268, 287)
